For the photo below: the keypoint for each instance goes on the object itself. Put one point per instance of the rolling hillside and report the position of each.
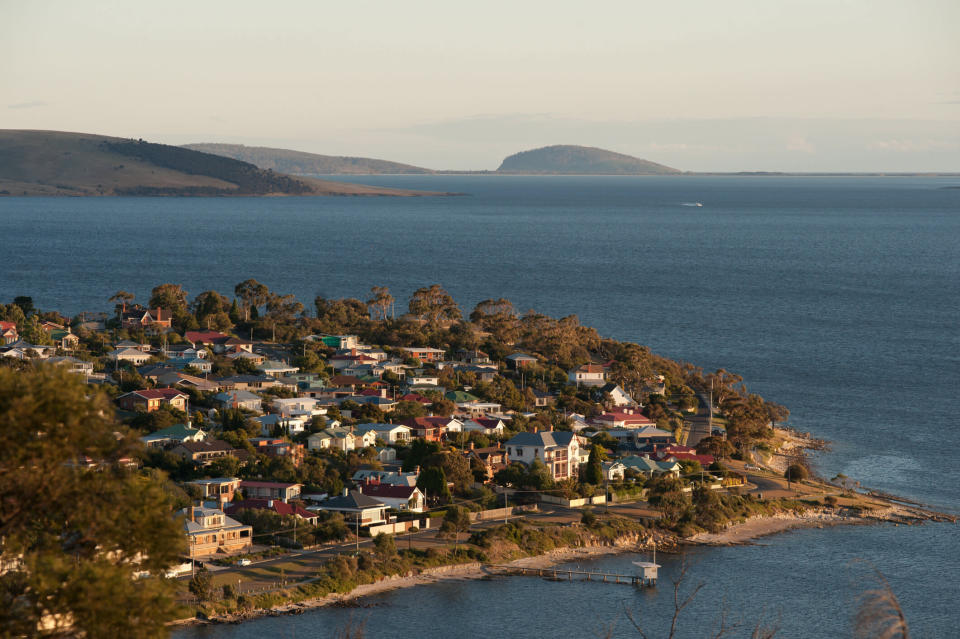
(60, 163)
(302, 163)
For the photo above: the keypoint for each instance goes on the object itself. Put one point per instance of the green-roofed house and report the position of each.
(461, 397)
(64, 339)
(650, 467)
(176, 434)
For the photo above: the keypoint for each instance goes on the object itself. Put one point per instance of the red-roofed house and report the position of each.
(279, 507)
(150, 400)
(623, 419)
(678, 453)
(203, 338)
(415, 397)
(431, 429)
(8, 332)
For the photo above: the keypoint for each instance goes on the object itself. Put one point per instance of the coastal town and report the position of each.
(287, 440)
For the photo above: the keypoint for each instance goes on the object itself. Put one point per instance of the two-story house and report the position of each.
(152, 399)
(210, 531)
(559, 451)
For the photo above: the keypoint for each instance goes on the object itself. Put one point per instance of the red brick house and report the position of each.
(150, 319)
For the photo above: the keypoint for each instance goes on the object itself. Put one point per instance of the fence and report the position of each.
(573, 503)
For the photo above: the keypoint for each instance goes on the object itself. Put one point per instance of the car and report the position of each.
(244, 562)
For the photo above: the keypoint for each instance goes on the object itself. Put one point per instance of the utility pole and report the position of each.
(506, 506)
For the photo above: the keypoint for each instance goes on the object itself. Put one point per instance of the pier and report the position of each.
(563, 574)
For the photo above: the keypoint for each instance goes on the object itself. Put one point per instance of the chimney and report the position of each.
(360, 488)
(471, 444)
(346, 491)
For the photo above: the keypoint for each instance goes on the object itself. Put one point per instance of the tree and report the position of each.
(385, 545)
(795, 472)
(381, 303)
(433, 482)
(170, 297)
(70, 528)
(201, 584)
(434, 305)
(25, 303)
(252, 294)
(593, 473)
(122, 298)
(456, 520)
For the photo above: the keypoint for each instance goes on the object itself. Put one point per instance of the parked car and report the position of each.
(244, 562)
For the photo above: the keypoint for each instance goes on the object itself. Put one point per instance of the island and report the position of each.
(316, 455)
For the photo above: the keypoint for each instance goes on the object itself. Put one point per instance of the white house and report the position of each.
(559, 451)
(485, 425)
(290, 425)
(588, 375)
(613, 470)
(399, 497)
(617, 396)
(132, 355)
(390, 433)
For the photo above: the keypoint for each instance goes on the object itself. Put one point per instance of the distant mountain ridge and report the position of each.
(567, 159)
(303, 163)
(63, 163)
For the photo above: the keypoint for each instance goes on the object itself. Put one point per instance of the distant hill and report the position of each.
(564, 159)
(302, 163)
(60, 163)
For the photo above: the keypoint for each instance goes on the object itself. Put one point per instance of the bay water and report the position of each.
(837, 297)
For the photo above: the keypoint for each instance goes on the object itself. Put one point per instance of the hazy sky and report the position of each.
(698, 84)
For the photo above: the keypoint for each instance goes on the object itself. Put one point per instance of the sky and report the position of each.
(701, 85)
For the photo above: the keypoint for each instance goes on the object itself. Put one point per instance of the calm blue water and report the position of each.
(838, 297)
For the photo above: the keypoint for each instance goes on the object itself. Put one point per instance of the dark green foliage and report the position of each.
(201, 584)
(593, 473)
(796, 472)
(75, 529)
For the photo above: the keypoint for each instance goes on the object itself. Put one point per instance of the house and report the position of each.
(322, 441)
(64, 339)
(248, 382)
(559, 451)
(493, 458)
(431, 429)
(183, 350)
(615, 395)
(409, 498)
(472, 357)
(393, 478)
(218, 489)
(149, 400)
(239, 399)
(254, 358)
(289, 425)
(132, 355)
(204, 451)
(422, 379)
(650, 467)
(357, 509)
(390, 433)
(199, 339)
(650, 435)
(415, 397)
(338, 342)
(478, 409)
(626, 418)
(73, 364)
(298, 406)
(461, 397)
(485, 425)
(176, 434)
(8, 332)
(350, 359)
(274, 368)
(516, 361)
(281, 508)
(128, 343)
(385, 454)
(273, 447)
(613, 470)
(173, 378)
(543, 399)
(155, 320)
(210, 531)
(425, 354)
(270, 490)
(676, 452)
(588, 375)
(199, 364)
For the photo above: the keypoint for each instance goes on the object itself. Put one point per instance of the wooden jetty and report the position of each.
(564, 574)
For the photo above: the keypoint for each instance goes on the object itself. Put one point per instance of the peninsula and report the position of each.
(81, 164)
(246, 433)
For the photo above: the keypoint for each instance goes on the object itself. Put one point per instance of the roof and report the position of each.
(389, 491)
(521, 356)
(175, 431)
(543, 438)
(461, 397)
(280, 507)
(265, 484)
(157, 393)
(208, 337)
(236, 395)
(207, 446)
(588, 368)
(354, 500)
(380, 428)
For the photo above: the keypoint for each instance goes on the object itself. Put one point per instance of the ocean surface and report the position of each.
(837, 297)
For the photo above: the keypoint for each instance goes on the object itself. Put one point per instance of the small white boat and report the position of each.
(691, 204)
